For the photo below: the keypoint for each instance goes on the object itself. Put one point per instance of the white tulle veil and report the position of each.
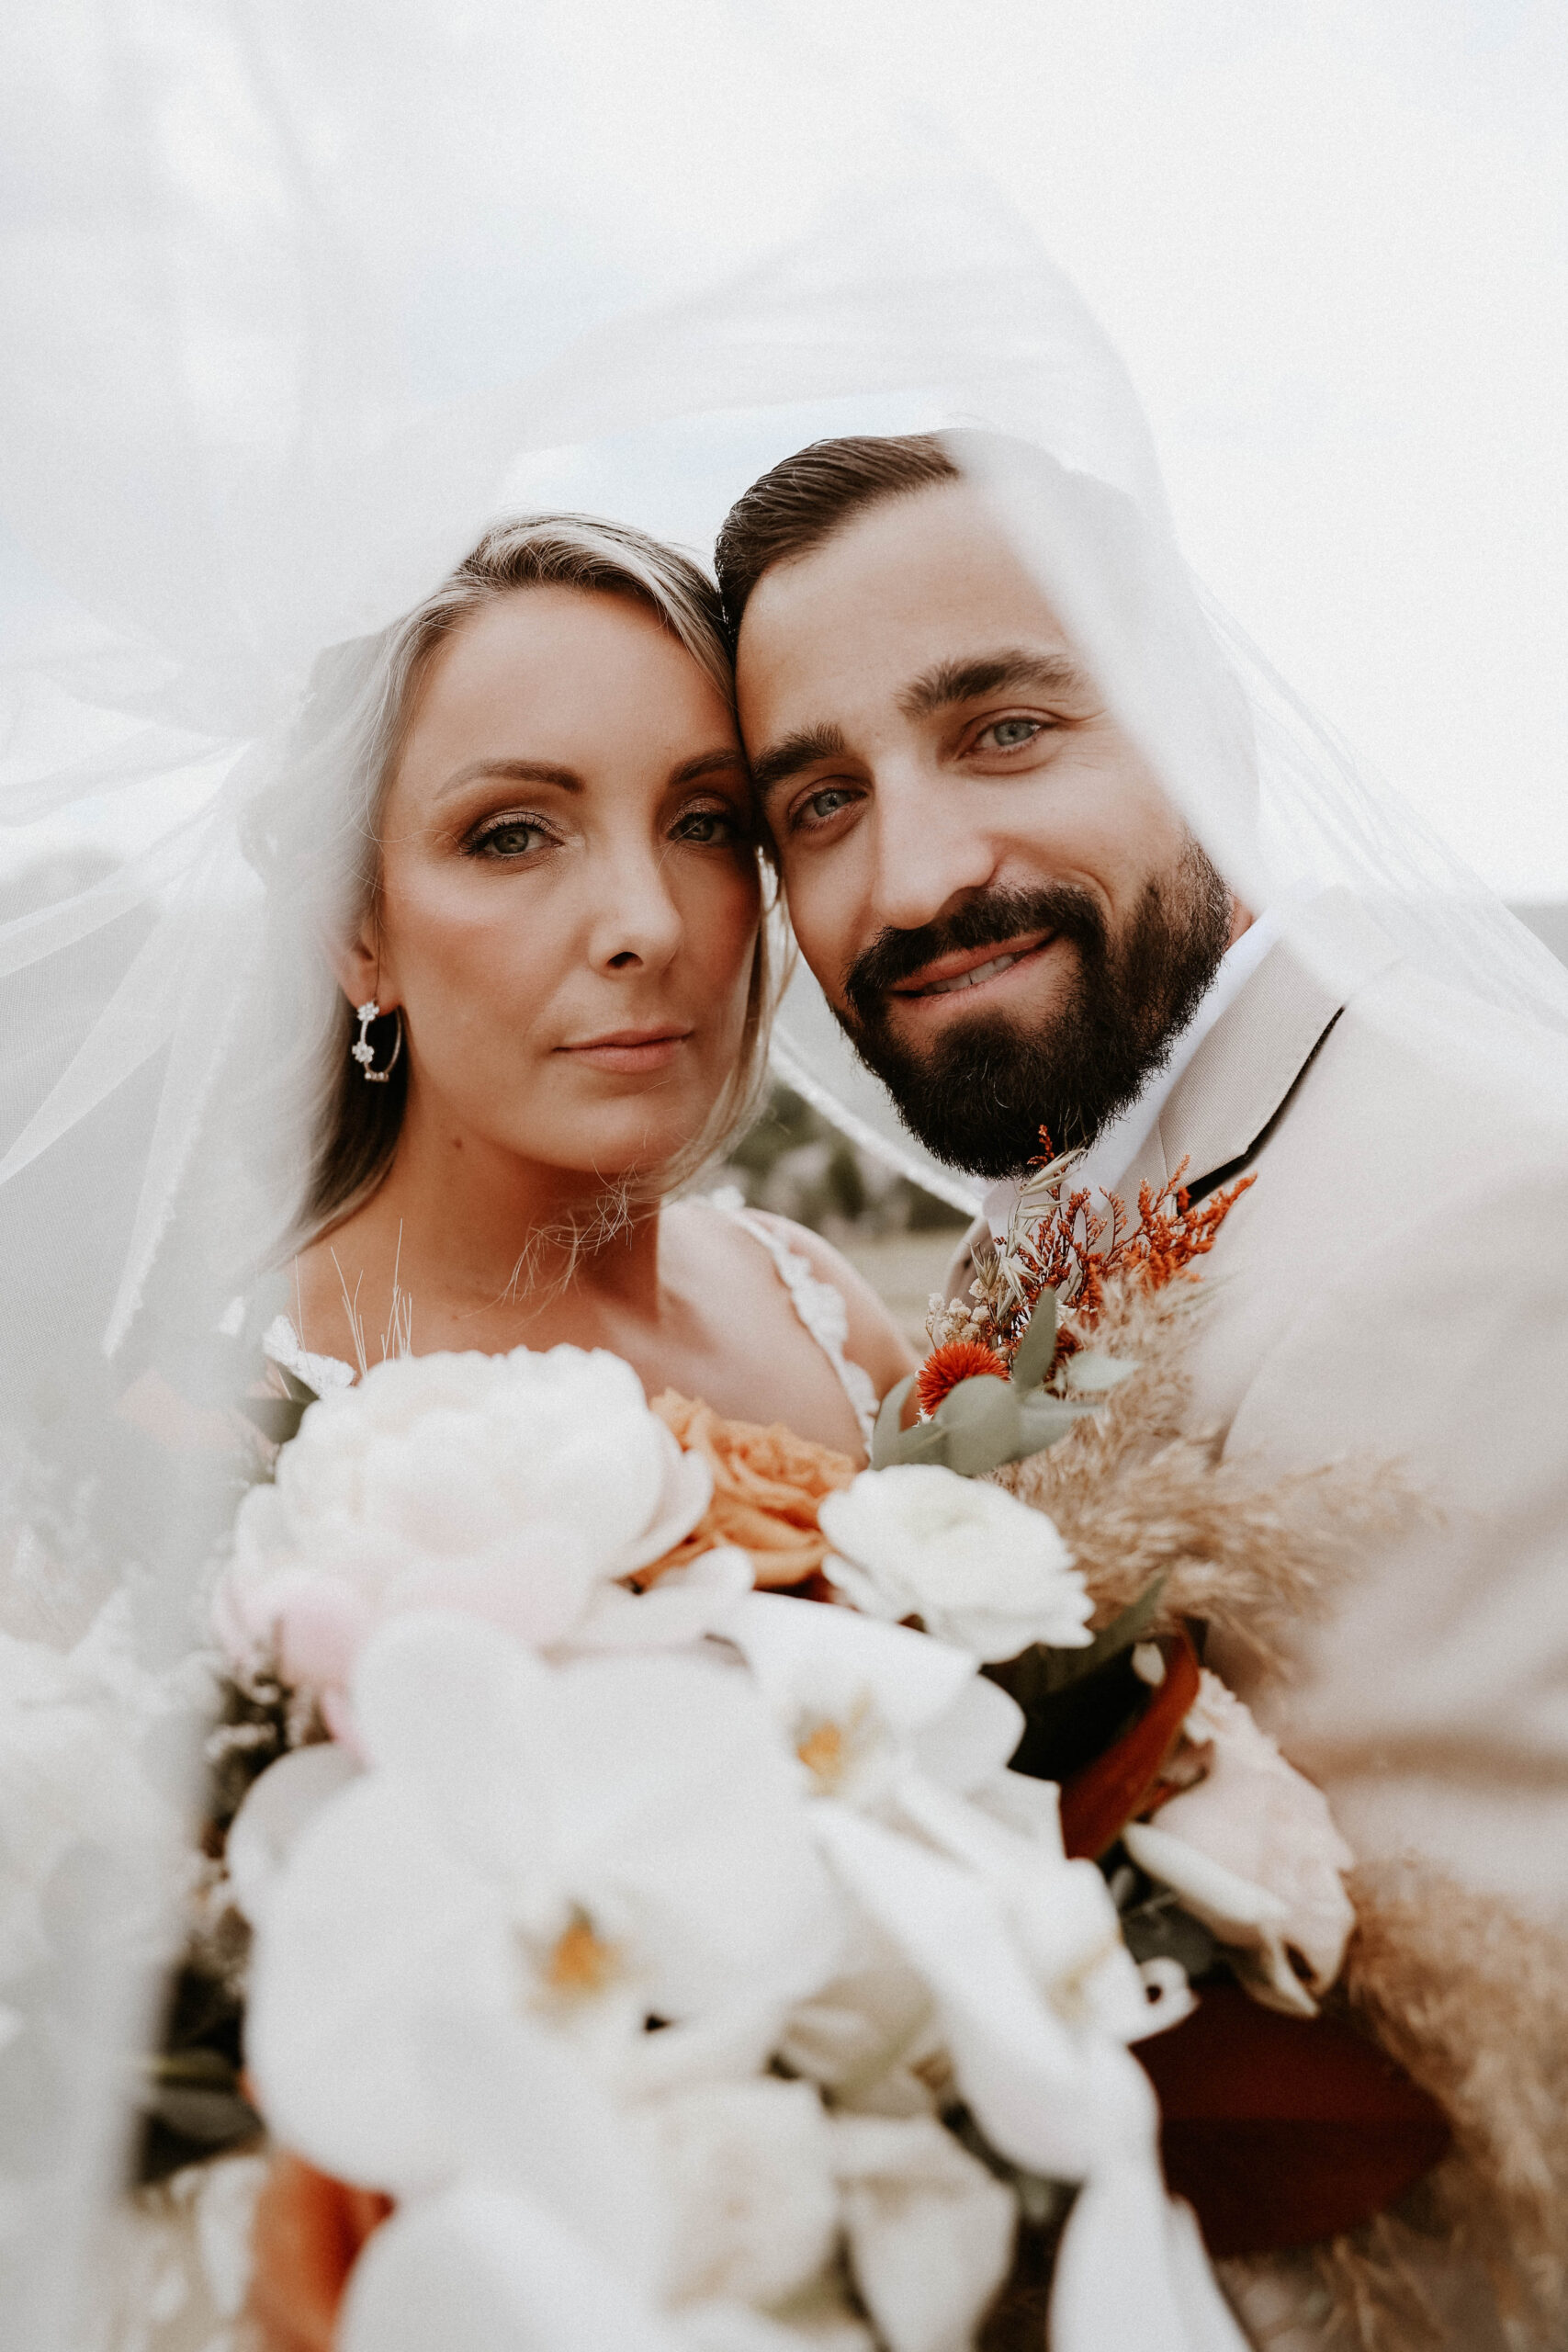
(299, 299)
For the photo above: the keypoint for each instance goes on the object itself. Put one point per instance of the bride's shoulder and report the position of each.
(872, 1339)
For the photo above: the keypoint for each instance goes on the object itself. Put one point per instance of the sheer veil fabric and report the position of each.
(299, 299)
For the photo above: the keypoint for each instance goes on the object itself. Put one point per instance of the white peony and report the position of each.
(979, 1568)
(510, 1487)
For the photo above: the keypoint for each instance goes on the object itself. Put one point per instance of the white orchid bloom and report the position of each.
(860, 1701)
(979, 1568)
(930, 2232)
(484, 2268)
(748, 2170)
(1063, 1921)
(564, 1851)
(1068, 2103)
(274, 1812)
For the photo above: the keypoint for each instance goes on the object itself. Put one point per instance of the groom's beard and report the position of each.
(978, 1096)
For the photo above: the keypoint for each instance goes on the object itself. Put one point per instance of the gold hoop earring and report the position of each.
(364, 1052)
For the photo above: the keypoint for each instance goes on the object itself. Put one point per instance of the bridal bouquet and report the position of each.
(686, 1964)
(650, 1957)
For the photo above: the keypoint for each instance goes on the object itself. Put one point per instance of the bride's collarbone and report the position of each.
(721, 1326)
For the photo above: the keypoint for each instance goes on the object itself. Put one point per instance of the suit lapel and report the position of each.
(1238, 1085)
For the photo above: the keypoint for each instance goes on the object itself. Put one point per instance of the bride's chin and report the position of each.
(618, 1151)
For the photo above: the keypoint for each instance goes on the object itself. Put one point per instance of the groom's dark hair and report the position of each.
(809, 496)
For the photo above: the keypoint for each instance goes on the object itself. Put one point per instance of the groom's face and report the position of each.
(1006, 912)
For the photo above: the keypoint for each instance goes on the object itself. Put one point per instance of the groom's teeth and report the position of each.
(969, 979)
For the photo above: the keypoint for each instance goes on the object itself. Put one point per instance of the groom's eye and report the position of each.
(819, 807)
(1009, 734)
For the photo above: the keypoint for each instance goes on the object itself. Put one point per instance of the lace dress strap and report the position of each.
(280, 1345)
(820, 1306)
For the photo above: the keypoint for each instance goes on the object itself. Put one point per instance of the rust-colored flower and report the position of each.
(306, 2235)
(767, 1483)
(947, 1365)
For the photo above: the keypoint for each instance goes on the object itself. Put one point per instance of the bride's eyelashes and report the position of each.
(507, 839)
(715, 825)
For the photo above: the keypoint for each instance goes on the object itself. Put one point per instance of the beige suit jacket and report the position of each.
(1396, 1284)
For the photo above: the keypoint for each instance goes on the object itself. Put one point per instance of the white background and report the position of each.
(1330, 239)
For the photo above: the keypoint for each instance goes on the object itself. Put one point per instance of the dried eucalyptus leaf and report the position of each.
(1035, 1350)
(1127, 1627)
(1043, 1419)
(1094, 1373)
(1039, 1673)
(887, 1432)
(277, 1417)
(1160, 1929)
(979, 1421)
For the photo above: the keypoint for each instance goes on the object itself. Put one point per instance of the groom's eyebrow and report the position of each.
(1014, 670)
(792, 752)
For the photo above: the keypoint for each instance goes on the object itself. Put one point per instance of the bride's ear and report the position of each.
(361, 967)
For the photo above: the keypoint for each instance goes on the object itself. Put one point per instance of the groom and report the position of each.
(1018, 930)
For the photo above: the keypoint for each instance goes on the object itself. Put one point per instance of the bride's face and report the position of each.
(569, 897)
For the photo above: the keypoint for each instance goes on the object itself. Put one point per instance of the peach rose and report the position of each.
(767, 1484)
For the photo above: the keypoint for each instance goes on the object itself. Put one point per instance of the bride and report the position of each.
(557, 984)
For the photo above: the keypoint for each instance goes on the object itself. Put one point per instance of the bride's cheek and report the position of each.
(722, 929)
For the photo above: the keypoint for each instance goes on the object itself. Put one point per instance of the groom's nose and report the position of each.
(928, 849)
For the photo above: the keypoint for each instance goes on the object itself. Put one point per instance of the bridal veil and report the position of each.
(300, 298)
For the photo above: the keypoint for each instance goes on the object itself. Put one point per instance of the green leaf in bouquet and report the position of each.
(1076, 1702)
(1160, 1929)
(887, 1437)
(1036, 1349)
(979, 1424)
(1094, 1373)
(279, 1417)
(1043, 1419)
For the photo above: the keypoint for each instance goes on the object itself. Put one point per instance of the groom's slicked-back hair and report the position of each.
(809, 496)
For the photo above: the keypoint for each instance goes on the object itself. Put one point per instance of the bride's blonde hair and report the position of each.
(363, 701)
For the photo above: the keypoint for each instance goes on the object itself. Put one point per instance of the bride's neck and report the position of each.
(477, 1227)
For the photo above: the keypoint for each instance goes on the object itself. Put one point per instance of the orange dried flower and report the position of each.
(767, 1483)
(1076, 1250)
(947, 1365)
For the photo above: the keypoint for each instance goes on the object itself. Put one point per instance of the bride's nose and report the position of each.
(634, 922)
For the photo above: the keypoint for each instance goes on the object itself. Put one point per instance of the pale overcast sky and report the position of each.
(1330, 241)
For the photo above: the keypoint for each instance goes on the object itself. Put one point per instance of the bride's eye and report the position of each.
(708, 828)
(1009, 734)
(511, 837)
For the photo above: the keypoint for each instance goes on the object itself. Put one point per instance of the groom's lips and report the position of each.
(970, 968)
(630, 1050)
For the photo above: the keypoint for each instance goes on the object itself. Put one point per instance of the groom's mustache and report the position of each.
(990, 918)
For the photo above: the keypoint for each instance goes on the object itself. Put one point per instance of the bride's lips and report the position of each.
(632, 1051)
(968, 970)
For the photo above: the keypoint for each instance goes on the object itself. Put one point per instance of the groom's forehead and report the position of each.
(915, 606)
